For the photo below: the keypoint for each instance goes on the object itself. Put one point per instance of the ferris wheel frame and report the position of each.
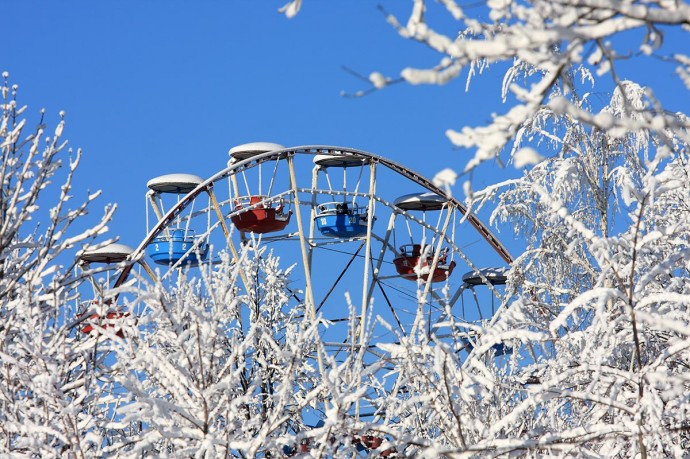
(306, 238)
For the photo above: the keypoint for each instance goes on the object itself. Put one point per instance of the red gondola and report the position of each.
(110, 321)
(260, 217)
(410, 264)
(303, 447)
(370, 442)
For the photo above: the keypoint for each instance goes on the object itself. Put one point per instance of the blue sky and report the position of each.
(153, 87)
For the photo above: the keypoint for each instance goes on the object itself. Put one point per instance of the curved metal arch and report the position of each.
(422, 181)
(239, 166)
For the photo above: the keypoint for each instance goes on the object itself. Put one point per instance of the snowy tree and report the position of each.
(606, 231)
(50, 384)
(215, 370)
(220, 368)
(596, 313)
(199, 365)
(545, 44)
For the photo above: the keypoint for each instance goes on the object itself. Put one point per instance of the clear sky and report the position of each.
(153, 87)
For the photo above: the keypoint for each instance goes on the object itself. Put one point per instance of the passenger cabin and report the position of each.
(257, 214)
(112, 319)
(111, 253)
(180, 244)
(339, 219)
(498, 349)
(179, 184)
(252, 149)
(494, 276)
(368, 443)
(421, 202)
(414, 262)
(325, 160)
(175, 244)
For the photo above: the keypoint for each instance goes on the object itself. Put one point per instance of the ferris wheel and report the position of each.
(409, 257)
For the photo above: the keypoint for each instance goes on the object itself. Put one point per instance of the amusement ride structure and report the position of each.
(379, 252)
(355, 223)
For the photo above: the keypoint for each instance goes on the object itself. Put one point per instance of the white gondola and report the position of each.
(249, 150)
(111, 253)
(495, 276)
(174, 183)
(421, 201)
(336, 160)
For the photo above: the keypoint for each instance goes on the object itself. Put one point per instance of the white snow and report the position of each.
(526, 157)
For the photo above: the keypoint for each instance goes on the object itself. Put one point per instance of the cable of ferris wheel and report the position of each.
(339, 277)
(348, 253)
(406, 293)
(390, 306)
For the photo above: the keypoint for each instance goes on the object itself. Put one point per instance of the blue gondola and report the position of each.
(170, 248)
(499, 349)
(338, 219)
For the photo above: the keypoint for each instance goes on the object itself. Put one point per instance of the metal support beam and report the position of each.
(226, 233)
